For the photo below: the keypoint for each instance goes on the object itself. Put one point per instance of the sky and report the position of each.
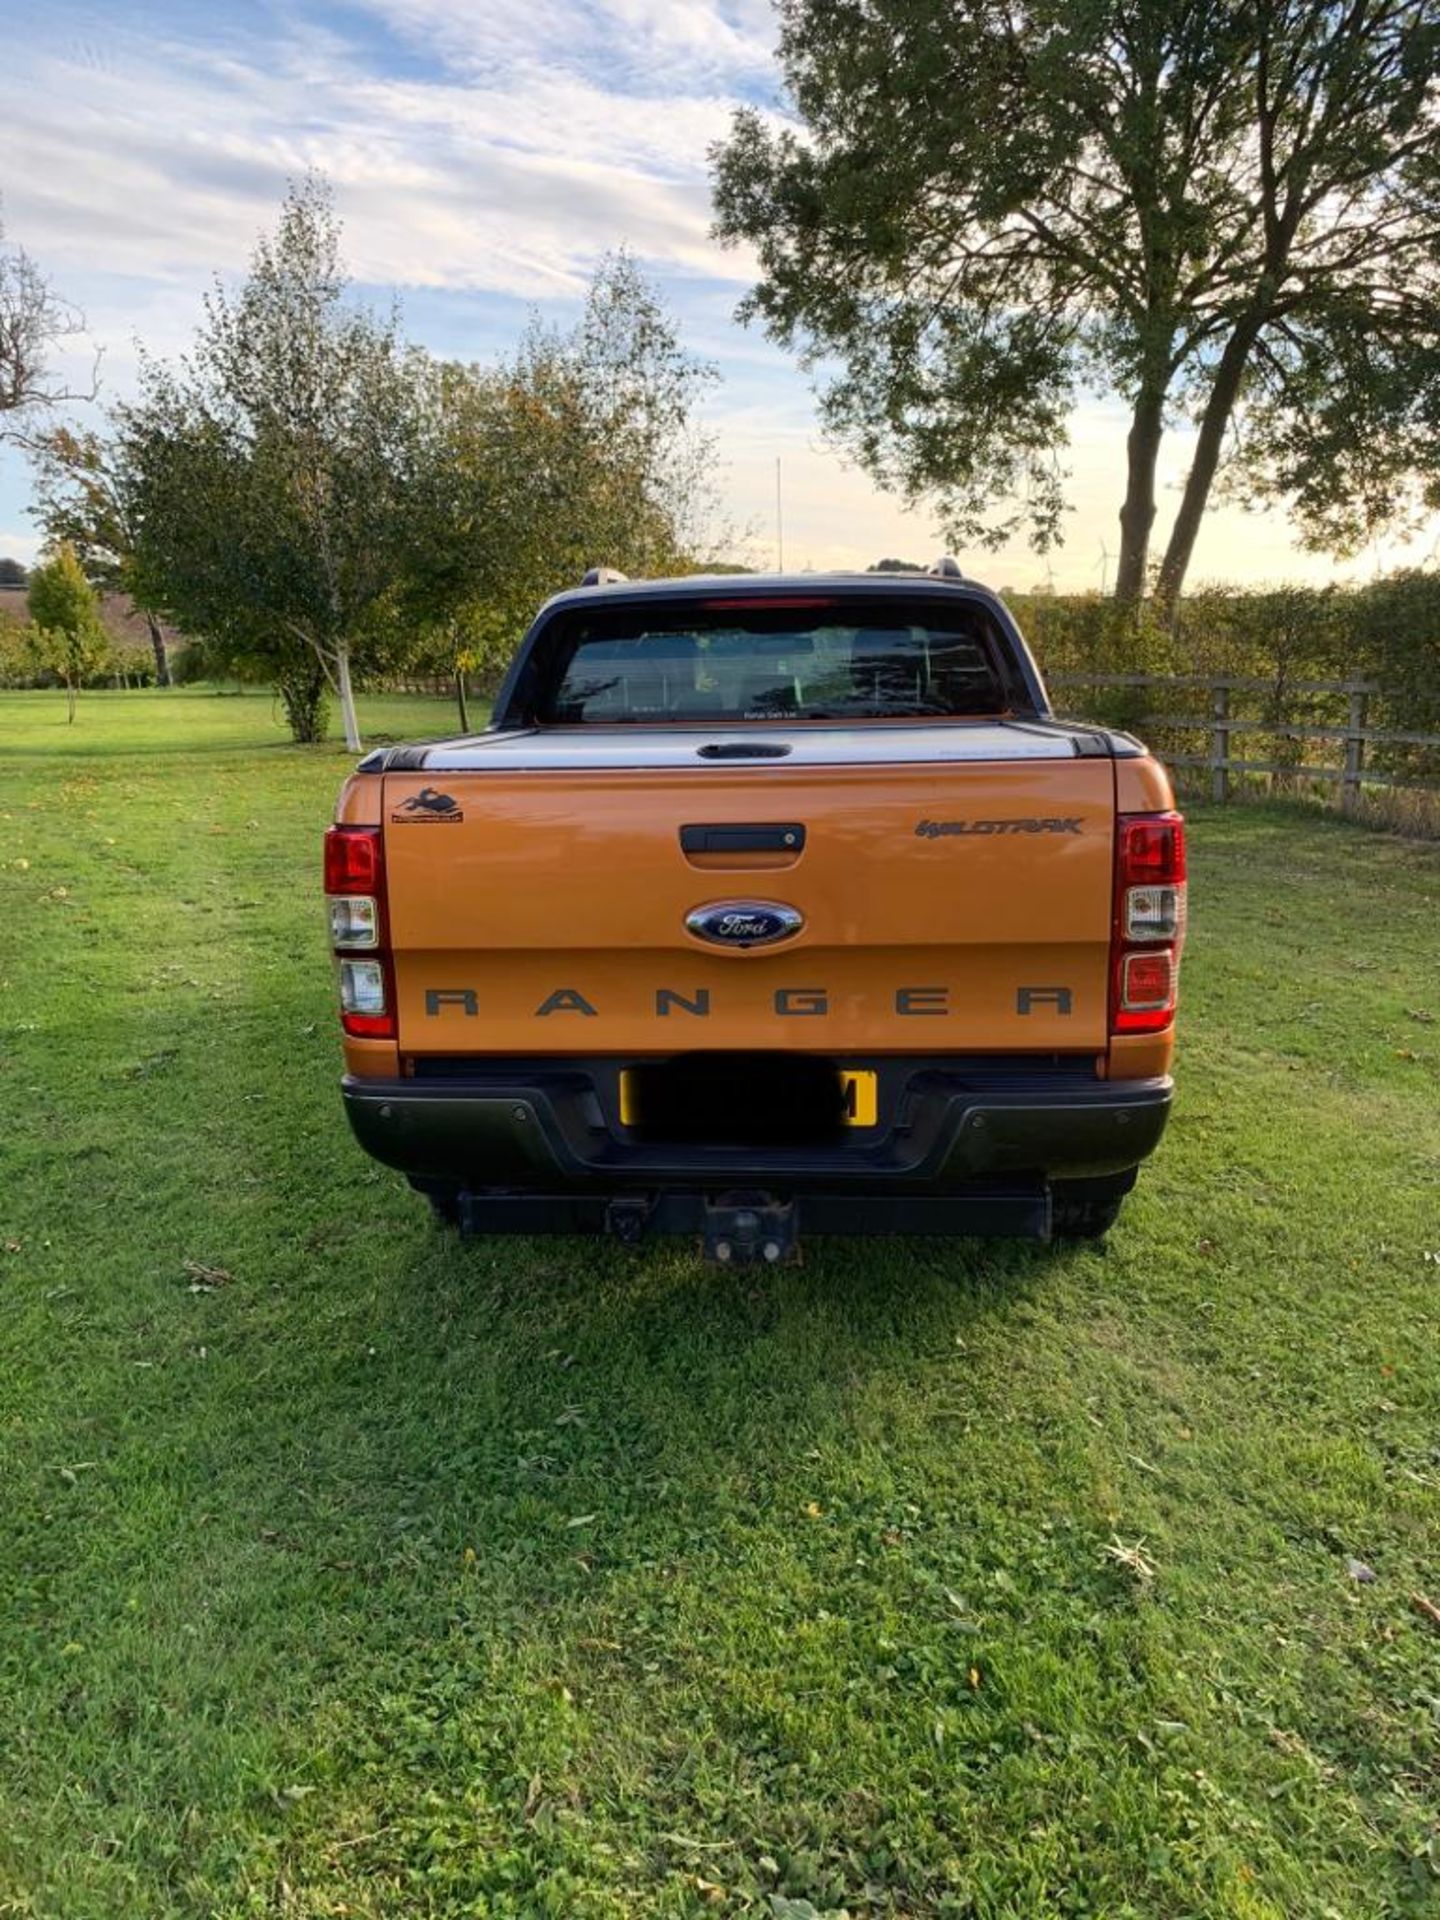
(484, 155)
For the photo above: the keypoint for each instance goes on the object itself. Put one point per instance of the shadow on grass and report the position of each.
(358, 1519)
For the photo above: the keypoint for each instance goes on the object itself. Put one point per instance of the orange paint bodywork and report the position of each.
(575, 885)
(570, 891)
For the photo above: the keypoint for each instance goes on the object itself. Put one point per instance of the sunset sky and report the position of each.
(483, 156)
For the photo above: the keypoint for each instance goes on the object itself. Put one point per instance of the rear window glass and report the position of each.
(732, 662)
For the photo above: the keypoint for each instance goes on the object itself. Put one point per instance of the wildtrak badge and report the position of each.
(943, 829)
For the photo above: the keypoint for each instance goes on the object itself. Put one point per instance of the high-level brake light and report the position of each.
(1149, 926)
(355, 884)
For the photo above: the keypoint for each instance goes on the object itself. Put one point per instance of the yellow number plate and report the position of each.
(859, 1092)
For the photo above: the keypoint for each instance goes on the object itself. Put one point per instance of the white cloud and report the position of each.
(484, 153)
(169, 170)
(659, 48)
(19, 543)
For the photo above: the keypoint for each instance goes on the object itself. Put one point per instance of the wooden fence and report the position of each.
(1222, 721)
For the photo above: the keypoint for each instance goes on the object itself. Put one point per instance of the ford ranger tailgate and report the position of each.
(952, 886)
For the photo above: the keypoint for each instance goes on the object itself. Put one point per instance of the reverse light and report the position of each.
(362, 986)
(354, 921)
(364, 1000)
(1154, 913)
(1149, 921)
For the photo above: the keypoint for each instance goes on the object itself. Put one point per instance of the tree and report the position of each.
(12, 573)
(1226, 212)
(67, 637)
(583, 447)
(86, 497)
(33, 321)
(276, 466)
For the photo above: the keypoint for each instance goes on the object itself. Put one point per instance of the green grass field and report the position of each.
(390, 1576)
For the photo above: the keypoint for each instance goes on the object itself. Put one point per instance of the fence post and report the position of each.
(1220, 742)
(1354, 750)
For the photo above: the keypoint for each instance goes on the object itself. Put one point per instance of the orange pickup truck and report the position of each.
(763, 902)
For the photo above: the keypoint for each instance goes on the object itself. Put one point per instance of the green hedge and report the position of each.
(1387, 632)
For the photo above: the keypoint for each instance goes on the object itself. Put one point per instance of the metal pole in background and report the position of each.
(779, 522)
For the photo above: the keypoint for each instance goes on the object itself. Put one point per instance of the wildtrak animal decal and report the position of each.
(428, 805)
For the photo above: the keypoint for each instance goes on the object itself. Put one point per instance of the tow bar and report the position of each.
(741, 1228)
(738, 1229)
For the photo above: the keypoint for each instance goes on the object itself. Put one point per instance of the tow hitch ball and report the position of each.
(743, 1228)
(736, 1229)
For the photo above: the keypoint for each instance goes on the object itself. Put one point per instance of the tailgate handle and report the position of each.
(744, 750)
(787, 837)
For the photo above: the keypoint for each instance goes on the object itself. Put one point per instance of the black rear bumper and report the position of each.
(950, 1131)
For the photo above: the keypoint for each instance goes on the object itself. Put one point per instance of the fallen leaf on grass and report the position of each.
(205, 1279)
(1132, 1556)
(582, 1520)
(1422, 1014)
(14, 1246)
(1426, 1609)
(71, 1475)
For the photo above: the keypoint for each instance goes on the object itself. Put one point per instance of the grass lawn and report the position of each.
(388, 1576)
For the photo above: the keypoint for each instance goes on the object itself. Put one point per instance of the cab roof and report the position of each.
(709, 586)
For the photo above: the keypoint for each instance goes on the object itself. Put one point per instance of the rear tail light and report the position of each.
(352, 860)
(1147, 982)
(355, 884)
(1149, 925)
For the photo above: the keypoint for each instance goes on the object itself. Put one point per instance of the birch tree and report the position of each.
(276, 465)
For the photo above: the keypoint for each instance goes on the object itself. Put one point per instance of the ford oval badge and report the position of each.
(744, 923)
